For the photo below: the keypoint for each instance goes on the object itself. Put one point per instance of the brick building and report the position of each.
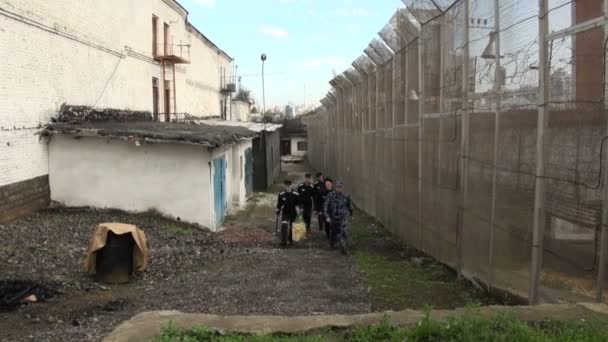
(138, 54)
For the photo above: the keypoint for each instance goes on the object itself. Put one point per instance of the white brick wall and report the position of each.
(56, 51)
(22, 155)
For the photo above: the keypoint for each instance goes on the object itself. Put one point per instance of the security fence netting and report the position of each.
(475, 131)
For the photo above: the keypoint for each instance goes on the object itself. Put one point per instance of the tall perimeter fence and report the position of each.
(475, 131)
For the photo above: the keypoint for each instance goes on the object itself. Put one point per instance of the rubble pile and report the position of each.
(74, 114)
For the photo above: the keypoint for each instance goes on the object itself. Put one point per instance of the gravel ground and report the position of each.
(191, 270)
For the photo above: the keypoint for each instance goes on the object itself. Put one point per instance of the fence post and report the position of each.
(420, 131)
(497, 91)
(393, 216)
(539, 188)
(441, 107)
(601, 268)
(464, 141)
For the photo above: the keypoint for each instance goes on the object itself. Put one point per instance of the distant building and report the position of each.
(294, 139)
(290, 111)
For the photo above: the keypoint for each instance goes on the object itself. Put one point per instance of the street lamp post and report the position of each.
(263, 58)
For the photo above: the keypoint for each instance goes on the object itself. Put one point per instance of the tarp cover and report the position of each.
(140, 250)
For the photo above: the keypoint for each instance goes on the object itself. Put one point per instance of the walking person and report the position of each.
(287, 204)
(306, 193)
(337, 208)
(327, 189)
(319, 186)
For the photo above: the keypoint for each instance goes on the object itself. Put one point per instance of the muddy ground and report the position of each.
(238, 271)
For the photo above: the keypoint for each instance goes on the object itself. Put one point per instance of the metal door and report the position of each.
(248, 172)
(219, 189)
(285, 147)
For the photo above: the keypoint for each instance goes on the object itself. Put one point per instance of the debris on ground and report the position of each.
(72, 113)
(15, 293)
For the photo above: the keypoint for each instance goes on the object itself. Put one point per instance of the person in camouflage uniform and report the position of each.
(336, 208)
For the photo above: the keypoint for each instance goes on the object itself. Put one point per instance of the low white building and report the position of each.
(142, 55)
(298, 146)
(191, 172)
(294, 140)
(240, 111)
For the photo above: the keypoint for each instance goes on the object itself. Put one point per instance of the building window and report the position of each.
(166, 39)
(154, 36)
(302, 146)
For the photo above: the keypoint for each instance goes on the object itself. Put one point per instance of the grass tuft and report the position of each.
(472, 326)
(176, 228)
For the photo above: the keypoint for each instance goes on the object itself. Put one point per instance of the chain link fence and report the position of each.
(475, 131)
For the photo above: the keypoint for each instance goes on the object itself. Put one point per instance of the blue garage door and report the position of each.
(219, 189)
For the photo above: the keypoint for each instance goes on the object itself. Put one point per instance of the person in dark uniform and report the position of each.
(328, 185)
(338, 207)
(306, 191)
(287, 205)
(319, 186)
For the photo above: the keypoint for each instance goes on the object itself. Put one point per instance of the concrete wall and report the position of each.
(173, 179)
(273, 145)
(241, 111)
(96, 53)
(266, 160)
(238, 192)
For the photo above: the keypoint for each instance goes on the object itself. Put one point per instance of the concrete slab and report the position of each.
(145, 326)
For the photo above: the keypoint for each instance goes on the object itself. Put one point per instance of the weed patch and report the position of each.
(470, 327)
(176, 228)
(170, 333)
(398, 277)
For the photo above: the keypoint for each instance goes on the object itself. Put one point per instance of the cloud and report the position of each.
(273, 31)
(317, 63)
(206, 3)
(352, 12)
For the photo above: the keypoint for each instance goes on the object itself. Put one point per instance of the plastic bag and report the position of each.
(298, 231)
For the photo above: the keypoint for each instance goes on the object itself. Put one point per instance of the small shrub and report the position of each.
(384, 331)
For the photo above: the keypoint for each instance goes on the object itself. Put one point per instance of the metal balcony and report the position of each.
(173, 52)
